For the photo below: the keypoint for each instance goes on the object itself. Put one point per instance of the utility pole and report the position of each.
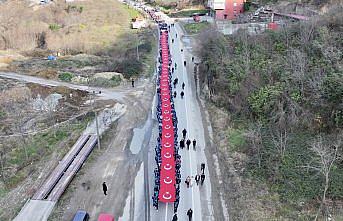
(97, 128)
(95, 113)
(96, 121)
(137, 46)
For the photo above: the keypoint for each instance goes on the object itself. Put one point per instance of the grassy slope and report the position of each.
(194, 28)
(91, 26)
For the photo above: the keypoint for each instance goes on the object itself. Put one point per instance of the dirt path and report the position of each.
(114, 164)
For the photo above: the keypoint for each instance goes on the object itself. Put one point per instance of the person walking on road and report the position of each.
(173, 40)
(174, 94)
(104, 188)
(183, 85)
(184, 63)
(182, 143)
(197, 179)
(188, 181)
(182, 94)
(188, 142)
(190, 214)
(176, 80)
(184, 133)
(133, 83)
(192, 59)
(202, 178)
(202, 167)
(194, 143)
(174, 217)
(175, 35)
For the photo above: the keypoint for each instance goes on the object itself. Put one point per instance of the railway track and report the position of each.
(54, 186)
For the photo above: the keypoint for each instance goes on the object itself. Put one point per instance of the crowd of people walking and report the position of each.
(185, 142)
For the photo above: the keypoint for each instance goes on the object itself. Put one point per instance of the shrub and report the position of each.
(129, 68)
(104, 82)
(2, 114)
(145, 47)
(54, 27)
(66, 76)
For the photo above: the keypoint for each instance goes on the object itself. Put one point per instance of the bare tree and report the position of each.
(244, 38)
(22, 131)
(326, 154)
(2, 162)
(279, 131)
(255, 136)
(297, 61)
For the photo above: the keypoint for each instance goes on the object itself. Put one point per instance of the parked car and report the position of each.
(81, 215)
(105, 217)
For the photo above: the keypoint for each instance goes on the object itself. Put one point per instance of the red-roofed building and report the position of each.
(226, 9)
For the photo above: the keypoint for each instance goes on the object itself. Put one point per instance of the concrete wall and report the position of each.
(228, 29)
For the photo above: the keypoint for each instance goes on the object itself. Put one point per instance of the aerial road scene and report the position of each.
(170, 110)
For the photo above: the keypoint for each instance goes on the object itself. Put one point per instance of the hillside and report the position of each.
(277, 109)
(99, 29)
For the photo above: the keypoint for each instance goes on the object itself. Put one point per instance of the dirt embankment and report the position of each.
(38, 125)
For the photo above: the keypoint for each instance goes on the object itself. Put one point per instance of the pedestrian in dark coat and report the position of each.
(174, 217)
(197, 179)
(183, 85)
(184, 133)
(202, 167)
(104, 188)
(182, 94)
(187, 181)
(194, 143)
(133, 83)
(190, 214)
(188, 142)
(202, 178)
(182, 143)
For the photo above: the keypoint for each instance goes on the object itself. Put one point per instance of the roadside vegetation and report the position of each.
(188, 13)
(280, 99)
(195, 28)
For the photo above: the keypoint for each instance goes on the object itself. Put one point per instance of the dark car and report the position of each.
(81, 215)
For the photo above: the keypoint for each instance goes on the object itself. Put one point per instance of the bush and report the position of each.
(145, 47)
(236, 139)
(104, 82)
(66, 76)
(129, 68)
(2, 114)
(55, 27)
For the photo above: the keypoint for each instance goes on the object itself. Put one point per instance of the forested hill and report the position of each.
(283, 91)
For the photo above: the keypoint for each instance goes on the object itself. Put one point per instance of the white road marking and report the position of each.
(166, 217)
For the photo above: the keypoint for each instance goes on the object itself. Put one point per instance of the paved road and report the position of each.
(106, 93)
(189, 116)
